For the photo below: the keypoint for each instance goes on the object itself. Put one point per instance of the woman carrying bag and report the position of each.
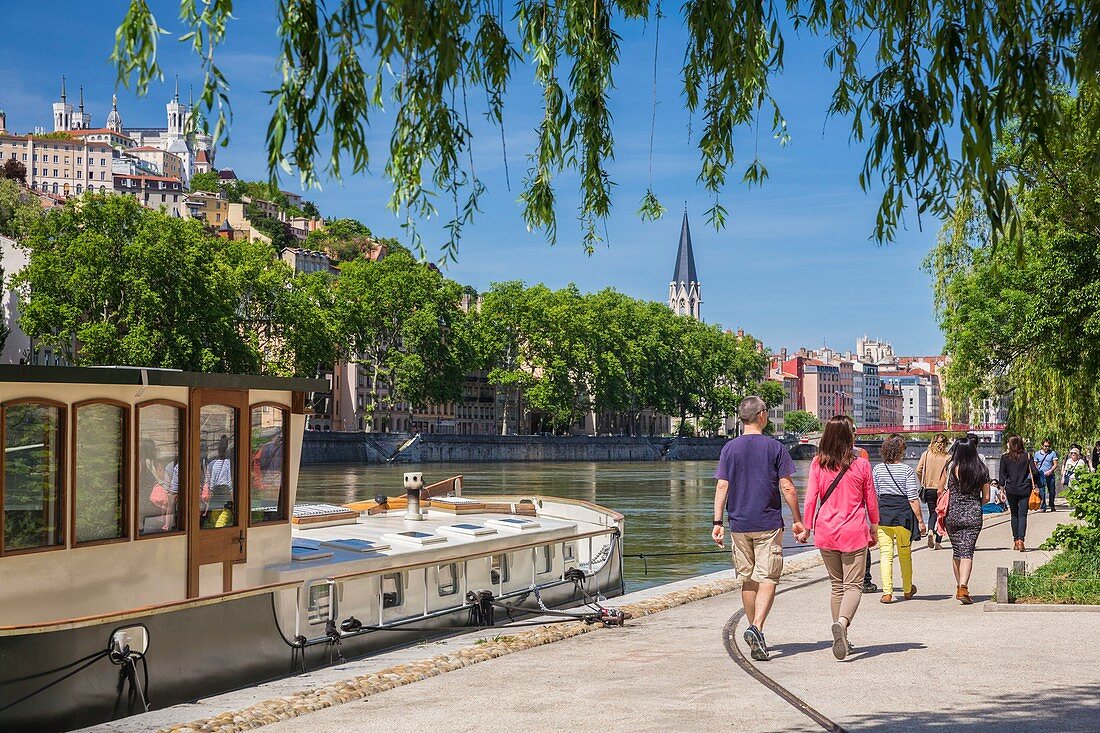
(900, 520)
(1017, 475)
(845, 524)
(932, 475)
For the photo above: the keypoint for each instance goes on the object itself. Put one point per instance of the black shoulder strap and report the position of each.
(833, 485)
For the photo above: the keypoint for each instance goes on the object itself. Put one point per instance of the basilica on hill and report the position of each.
(184, 136)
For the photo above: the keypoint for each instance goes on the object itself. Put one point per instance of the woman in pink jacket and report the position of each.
(842, 510)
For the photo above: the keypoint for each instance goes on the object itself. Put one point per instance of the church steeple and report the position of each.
(683, 291)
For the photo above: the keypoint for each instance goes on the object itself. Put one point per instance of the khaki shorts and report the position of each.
(758, 556)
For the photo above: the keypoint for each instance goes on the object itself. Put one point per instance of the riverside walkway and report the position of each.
(925, 664)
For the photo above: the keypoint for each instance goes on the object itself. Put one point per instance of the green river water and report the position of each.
(667, 504)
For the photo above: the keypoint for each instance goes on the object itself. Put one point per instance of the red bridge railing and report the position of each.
(930, 428)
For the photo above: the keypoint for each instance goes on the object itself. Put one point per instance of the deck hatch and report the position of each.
(515, 524)
(356, 545)
(466, 529)
(414, 537)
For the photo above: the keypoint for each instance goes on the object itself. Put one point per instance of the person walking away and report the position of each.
(1075, 465)
(754, 478)
(1094, 463)
(932, 475)
(842, 510)
(1017, 476)
(900, 518)
(868, 584)
(967, 489)
(1046, 461)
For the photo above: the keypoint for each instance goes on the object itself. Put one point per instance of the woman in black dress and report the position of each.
(968, 487)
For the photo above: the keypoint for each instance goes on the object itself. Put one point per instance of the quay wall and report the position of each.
(331, 447)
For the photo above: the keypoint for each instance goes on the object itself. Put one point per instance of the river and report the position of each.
(667, 504)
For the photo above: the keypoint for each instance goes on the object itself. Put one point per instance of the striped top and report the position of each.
(896, 478)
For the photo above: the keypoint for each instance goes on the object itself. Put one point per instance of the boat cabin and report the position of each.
(124, 487)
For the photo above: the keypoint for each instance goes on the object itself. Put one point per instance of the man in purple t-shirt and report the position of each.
(753, 471)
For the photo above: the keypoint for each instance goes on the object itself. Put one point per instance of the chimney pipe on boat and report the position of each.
(414, 482)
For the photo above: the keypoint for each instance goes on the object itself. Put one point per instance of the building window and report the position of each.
(160, 469)
(33, 460)
(55, 185)
(448, 579)
(267, 465)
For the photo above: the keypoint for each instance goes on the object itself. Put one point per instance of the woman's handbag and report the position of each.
(941, 510)
(1036, 499)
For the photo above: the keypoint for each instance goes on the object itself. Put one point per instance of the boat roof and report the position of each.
(383, 541)
(155, 377)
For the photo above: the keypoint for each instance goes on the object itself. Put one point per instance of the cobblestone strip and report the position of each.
(358, 688)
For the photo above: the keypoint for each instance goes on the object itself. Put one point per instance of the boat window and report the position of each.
(448, 579)
(33, 510)
(159, 470)
(319, 603)
(218, 465)
(498, 572)
(99, 478)
(569, 551)
(393, 591)
(545, 558)
(266, 472)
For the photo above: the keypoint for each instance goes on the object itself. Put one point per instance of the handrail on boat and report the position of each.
(81, 621)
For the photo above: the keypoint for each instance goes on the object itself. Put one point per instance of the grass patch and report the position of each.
(1070, 577)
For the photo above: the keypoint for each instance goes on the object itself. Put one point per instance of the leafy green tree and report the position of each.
(18, 208)
(310, 209)
(801, 422)
(132, 286)
(274, 229)
(207, 181)
(1024, 321)
(908, 77)
(499, 345)
(399, 317)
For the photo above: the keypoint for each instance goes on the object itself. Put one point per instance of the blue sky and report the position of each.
(794, 265)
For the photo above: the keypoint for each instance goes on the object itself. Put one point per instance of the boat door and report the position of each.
(217, 527)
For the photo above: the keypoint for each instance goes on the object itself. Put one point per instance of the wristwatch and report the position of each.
(717, 522)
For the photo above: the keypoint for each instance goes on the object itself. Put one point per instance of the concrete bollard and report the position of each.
(1002, 585)
(1019, 567)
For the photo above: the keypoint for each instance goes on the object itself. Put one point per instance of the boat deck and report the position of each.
(388, 539)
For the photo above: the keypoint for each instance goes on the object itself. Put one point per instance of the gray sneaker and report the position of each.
(840, 640)
(758, 648)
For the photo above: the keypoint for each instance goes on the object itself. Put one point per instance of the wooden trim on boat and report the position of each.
(62, 450)
(181, 494)
(476, 556)
(125, 485)
(81, 621)
(283, 501)
(576, 502)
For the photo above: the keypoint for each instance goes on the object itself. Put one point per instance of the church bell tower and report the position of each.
(683, 292)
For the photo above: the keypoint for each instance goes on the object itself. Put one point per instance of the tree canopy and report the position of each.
(126, 285)
(928, 89)
(1025, 321)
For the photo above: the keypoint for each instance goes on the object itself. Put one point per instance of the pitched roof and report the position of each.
(96, 131)
(685, 258)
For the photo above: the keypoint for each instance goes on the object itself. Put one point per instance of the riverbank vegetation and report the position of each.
(1023, 319)
(110, 282)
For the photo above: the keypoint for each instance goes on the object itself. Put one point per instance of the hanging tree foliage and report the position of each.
(1025, 321)
(928, 87)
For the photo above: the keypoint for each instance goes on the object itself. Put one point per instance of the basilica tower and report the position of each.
(683, 292)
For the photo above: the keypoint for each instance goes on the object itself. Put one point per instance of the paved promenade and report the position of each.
(925, 664)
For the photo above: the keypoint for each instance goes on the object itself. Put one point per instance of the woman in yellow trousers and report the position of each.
(898, 492)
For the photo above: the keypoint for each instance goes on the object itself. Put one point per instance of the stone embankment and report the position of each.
(330, 447)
